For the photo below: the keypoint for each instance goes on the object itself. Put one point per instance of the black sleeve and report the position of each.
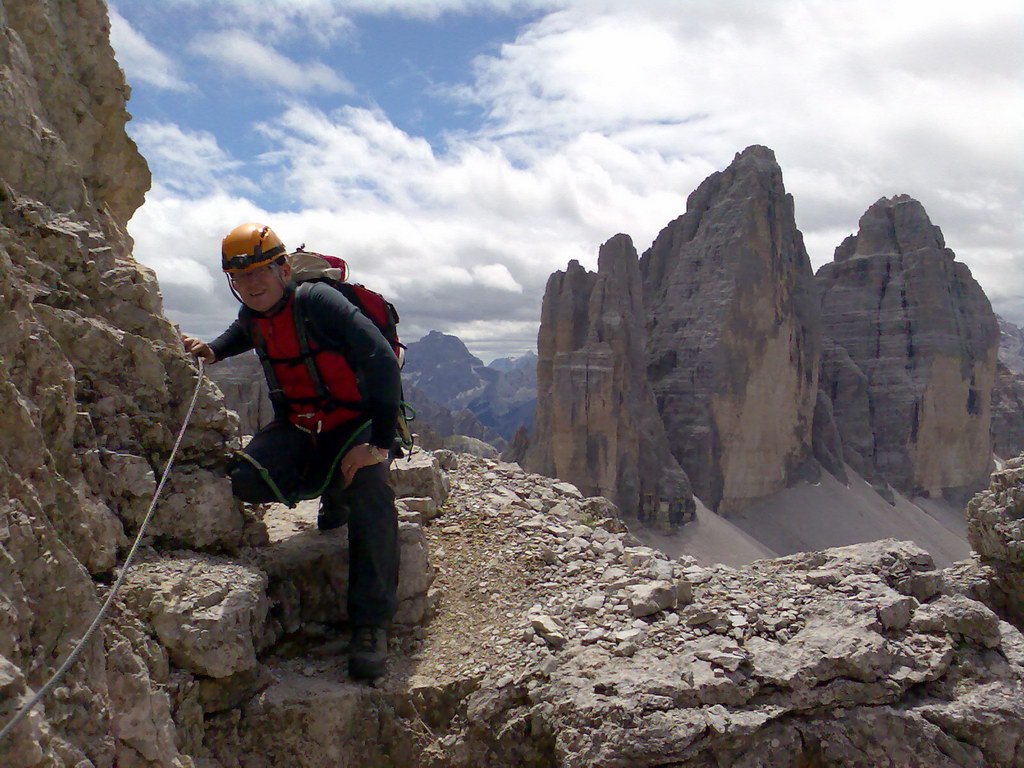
(234, 341)
(339, 326)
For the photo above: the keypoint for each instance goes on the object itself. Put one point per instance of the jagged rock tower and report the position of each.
(912, 401)
(733, 334)
(597, 422)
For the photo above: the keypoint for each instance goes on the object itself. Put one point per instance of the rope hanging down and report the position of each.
(73, 656)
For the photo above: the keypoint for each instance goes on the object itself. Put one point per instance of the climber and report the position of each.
(335, 387)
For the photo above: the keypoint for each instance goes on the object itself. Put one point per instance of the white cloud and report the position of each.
(239, 53)
(140, 59)
(496, 276)
(603, 116)
(189, 162)
(926, 103)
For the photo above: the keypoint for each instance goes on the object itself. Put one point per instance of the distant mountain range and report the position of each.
(451, 390)
(441, 375)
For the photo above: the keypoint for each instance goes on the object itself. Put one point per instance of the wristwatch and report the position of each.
(380, 454)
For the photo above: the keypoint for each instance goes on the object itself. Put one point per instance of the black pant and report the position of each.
(299, 464)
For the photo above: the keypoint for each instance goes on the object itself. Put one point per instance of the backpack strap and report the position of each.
(277, 396)
(302, 335)
(308, 354)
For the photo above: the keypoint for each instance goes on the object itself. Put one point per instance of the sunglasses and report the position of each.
(257, 273)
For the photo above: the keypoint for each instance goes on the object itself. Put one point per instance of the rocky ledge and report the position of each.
(556, 639)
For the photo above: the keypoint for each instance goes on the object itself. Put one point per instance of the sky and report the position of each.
(457, 152)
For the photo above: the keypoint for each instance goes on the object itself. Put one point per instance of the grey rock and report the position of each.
(471, 445)
(648, 599)
(208, 612)
(922, 332)
(734, 334)
(307, 575)
(550, 629)
(420, 475)
(995, 528)
(597, 423)
(1007, 413)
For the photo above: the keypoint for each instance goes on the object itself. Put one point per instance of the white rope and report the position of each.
(124, 571)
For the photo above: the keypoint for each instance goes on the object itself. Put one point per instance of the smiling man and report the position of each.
(336, 389)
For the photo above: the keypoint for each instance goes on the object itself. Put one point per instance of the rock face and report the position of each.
(94, 388)
(1007, 412)
(1008, 392)
(560, 641)
(995, 528)
(597, 423)
(922, 339)
(733, 334)
(1011, 346)
(64, 111)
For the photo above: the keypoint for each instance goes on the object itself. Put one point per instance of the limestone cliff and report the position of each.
(597, 423)
(733, 334)
(94, 387)
(922, 333)
(1008, 392)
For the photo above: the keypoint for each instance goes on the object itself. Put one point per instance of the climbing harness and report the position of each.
(298, 496)
(124, 570)
(403, 444)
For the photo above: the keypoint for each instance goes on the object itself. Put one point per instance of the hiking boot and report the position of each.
(368, 653)
(331, 516)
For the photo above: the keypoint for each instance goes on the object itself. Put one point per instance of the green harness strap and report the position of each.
(406, 413)
(290, 503)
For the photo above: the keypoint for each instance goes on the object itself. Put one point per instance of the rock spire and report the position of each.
(597, 421)
(919, 329)
(733, 334)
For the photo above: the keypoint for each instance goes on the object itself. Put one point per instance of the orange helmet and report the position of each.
(250, 245)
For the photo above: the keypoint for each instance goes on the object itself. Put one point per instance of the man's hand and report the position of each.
(199, 349)
(359, 456)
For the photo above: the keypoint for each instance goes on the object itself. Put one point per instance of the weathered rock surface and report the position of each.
(1011, 346)
(419, 475)
(561, 643)
(93, 381)
(1007, 412)
(463, 444)
(922, 332)
(995, 528)
(209, 613)
(597, 423)
(733, 334)
(308, 572)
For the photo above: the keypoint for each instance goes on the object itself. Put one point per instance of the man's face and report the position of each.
(261, 288)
